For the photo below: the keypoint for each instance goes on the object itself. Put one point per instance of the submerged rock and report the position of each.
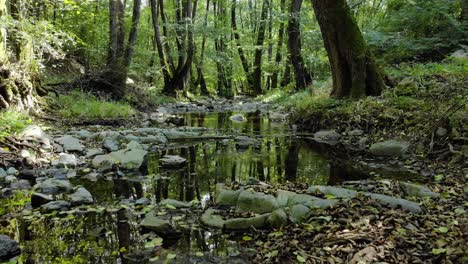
(9, 248)
(81, 196)
(153, 223)
(127, 158)
(389, 148)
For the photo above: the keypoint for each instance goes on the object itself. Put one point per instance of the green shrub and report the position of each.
(82, 105)
(12, 122)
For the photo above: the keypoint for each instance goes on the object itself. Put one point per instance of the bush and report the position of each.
(12, 122)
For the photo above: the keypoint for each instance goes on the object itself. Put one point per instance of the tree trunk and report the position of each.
(279, 51)
(112, 51)
(133, 32)
(303, 78)
(257, 73)
(354, 72)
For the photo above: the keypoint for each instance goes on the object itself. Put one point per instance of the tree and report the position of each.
(303, 78)
(354, 71)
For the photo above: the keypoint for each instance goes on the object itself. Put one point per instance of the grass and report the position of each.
(12, 122)
(80, 105)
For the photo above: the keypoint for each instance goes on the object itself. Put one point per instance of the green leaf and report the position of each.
(442, 229)
(199, 254)
(276, 234)
(171, 256)
(438, 251)
(439, 177)
(246, 238)
(330, 196)
(301, 259)
(169, 206)
(154, 243)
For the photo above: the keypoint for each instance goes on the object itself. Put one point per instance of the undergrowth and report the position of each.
(12, 122)
(81, 105)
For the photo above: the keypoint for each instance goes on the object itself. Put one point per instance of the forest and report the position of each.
(233, 131)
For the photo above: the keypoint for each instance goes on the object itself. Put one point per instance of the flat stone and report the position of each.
(34, 132)
(110, 145)
(9, 248)
(175, 203)
(172, 161)
(91, 153)
(20, 185)
(250, 201)
(12, 171)
(55, 206)
(39, 199)
(134, 145)
(81, 196)
(389, 148)
(211, 219)
(416, 190)
(54, 186)
(160, 226)
(70, 143)
(67, 160)
(278, 218)
(259, 221)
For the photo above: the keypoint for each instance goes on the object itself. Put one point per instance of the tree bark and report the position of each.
(257, 73)
(133, 32)
(354, 71)
(279, 51)
(303, 78)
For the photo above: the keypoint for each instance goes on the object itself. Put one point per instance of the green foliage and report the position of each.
(419, 29)
(86, 106)
(12, 122)
(14, 203)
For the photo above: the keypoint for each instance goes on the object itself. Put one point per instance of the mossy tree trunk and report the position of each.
(19, 80)
(354, 71)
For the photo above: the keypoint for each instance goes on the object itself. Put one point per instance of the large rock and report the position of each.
(287, 198)
(278, 218)
(338, 192)
(327, 136)
(67, 160)
(127, 158)
(81, 196)
(299, 213)
(91, 153)
(35, 133)
(70, 143)
(20, 185)
(110, 145)
(416, 190)
(55, 206)
(9, 248)
(38, 199)
(211, 219)
(225, 196)
(153, 223)
(172, 161)
(258, 221)
(389, 148)
(54, 186)
(250, 201)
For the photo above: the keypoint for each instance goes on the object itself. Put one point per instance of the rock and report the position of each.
(93, 176)
(416, 190)
(103, 162)
(211, 219)
(143, 201)
(110, 145)
(134, 145)
(10, 179)
(331, 190)
(34, 132)
(389, 148)
(172, 161)
(238, 118)
(356, 133)
(252, 181)
(396, 202)
(55, 206)
(81, 196)
(54, 186)
(20, 185)
(39, 199)
(459, 54)
(441, 132)
(327, 136)
(153, 223)
(70, 143)
(132, 159)
(287, 198)
(278, 218)
(299, 213)
(362, 143)
(9, 248)
(175, 203)
(6, 192)
(91, 153)
(24, 153)
(57, 148)
(227, 197)
(67, 160)
(12, 171)
(321, 203)
(3, 173)
(259, 221)
(277, 117)
(250, 201)
(82, 134)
